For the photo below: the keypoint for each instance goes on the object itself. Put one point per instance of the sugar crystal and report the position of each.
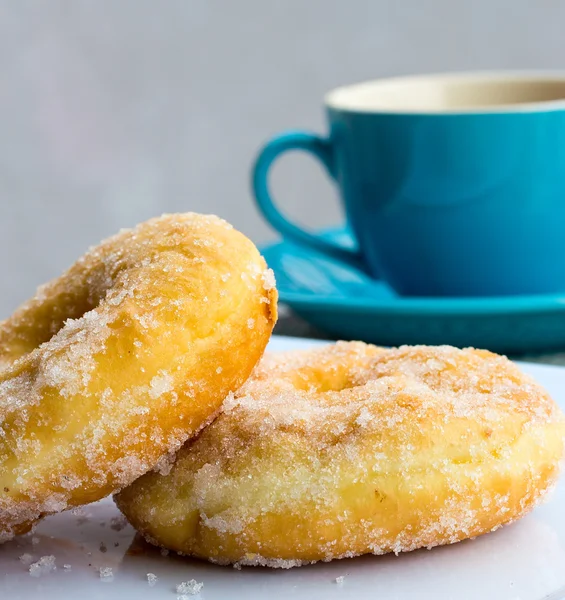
(190, 587)
(44, 565)
(106, 574)
(269, 282)
(161, 384)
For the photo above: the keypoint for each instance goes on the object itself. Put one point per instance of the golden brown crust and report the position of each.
(354, 449)
(117, 362)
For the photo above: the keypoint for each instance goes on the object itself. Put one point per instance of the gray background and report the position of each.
(113, 111)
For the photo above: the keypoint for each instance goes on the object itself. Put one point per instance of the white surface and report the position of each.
(115, 111)
(524, 561)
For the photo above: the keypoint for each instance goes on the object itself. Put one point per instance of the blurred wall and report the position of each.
(112, 111)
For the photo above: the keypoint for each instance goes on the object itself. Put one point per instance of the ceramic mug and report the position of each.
(453, 185)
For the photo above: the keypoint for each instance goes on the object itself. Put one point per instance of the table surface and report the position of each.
(290, 324)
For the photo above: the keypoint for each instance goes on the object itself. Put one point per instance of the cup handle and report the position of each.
(321, 148)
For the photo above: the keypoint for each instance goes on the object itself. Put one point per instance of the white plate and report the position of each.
(524, 561)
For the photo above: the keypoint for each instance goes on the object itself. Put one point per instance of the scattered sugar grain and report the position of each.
(106, 574)
(35, 540)
(189, 588)
(118, 523)
(67, 568)
(44, 565)
(152, 579)
(339, 580)
(164, 552)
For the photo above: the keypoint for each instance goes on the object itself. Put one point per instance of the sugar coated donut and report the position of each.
(351, 449)
(117, 362)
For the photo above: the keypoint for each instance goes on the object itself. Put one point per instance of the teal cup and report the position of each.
(452, 185)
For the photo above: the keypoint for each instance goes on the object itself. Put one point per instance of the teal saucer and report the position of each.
(348, 305)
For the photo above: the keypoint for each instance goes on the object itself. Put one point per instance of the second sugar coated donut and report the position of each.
(116, 363)
(352, 449)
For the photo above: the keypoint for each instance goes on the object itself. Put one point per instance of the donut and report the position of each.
(114, 365)
(352, 449)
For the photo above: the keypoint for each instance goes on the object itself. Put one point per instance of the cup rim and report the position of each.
(333, 99)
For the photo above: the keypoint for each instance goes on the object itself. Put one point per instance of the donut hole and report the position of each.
(320, 380)
(26, 334)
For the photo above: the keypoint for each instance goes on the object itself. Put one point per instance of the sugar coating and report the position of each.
(353, 449)
(109, 367)
(46, 564)
(190, 587)
(165, 464)
(269, 282)
(161, 384)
